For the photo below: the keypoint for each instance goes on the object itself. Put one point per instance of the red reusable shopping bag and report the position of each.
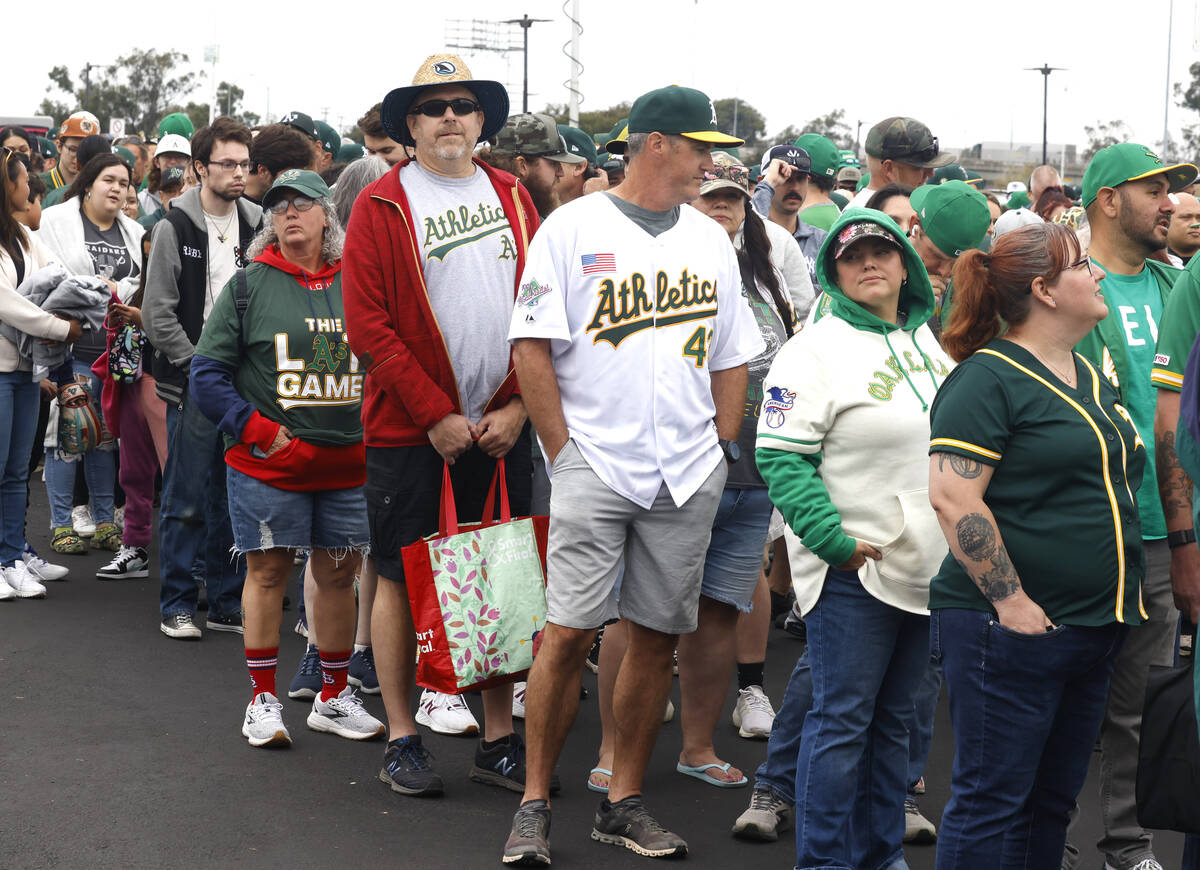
(477, 593)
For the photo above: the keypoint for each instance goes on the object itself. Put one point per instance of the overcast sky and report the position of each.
(955, 65)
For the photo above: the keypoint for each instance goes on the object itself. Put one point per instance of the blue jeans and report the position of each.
(777, 773)
(1191, 853)
(194, 518)
(1026, 710)
(99, 468)
(18, 424)
(921, 728)
(867, 660)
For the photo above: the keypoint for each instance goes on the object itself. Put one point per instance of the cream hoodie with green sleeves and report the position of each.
(843, 437)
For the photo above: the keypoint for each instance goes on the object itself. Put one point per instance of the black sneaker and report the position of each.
(529, 843)
(593, 656)
(362, 672)
(407, 768)
(307, 682)
(224, 622)
(794, 625)
(628, 823)
(503, 765)
(180, 626)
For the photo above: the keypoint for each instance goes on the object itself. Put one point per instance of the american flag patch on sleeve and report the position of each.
(593, 263)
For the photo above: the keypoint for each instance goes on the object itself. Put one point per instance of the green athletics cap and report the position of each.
(905, 140)
(579, 143)
(351, 152)
(974, 179)
(614, 142)
(533, 135)
(1128, 161)
(126, 155)
(953, 215)
(824, 154)
(47, 148)
(302, 122)
(177, 123)
(330, 140)
(679, 111)
(303, 181)
(949, 172)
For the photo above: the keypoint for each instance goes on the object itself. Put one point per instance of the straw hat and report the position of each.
(438, 70)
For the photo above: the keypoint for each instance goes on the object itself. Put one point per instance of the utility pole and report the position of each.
(1045, 70)
(87, 84)
(1166, 140)
(525, 22)
(575, 96)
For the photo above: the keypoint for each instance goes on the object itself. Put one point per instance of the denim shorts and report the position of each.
(265, 517)
(735, 552)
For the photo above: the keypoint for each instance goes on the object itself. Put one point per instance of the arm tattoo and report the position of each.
(978, 542)
(968, 469)
(1174, 487)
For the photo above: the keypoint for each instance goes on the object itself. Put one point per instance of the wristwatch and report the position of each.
(1181, 538)
(733, 453)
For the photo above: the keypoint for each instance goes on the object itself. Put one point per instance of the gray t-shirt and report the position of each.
(654, 222)
(470, 262)
(107, 250)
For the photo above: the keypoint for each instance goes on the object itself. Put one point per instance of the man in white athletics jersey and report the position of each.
(630, 338)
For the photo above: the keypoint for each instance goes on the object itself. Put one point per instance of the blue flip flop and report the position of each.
(602, 789)
(699, 773)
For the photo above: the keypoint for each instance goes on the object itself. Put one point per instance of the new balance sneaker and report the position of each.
(446, 714)
(503, 765)
(794, 625)
(263, 725)
(82, 522)
(1150, 863)
(362, 672)
(766, 816)
(528, 843)
(6, 591)
(307, 682)
(224, 622)
(344, 716)
(753, 714)
(301, 625)
(628, 823)
(917, 828)
(180, 626)
(130, 562)
(518, 710)
(407, 767)
(593, 656)
(40, 568)
(22, 583)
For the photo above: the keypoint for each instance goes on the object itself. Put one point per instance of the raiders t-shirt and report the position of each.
(108, 252)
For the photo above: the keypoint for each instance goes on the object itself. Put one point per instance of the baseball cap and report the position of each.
(727, 171)
(974, 179)
(849, 173)
(863, 182)
(824, 154)
(330, 140)
(173, 143)
(953, 215)
(1128, 161)
(949, 172)
(350, 153)
(302, 122)
(1014, 219)
(678, 111)
(1014, 186)
(90, 147)
(905, 140)
(534, 135)
(76, 127)
(46, 148)
(1017, 199)
(579, 143)
(857, 231)
(177, 124)
(793, 155)
(617, 137)
(303, 181)
(444, 69)
(848, 157)
(126, 155)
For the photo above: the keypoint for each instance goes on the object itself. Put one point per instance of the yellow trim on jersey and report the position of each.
(1166, 378)
(964, 445)
(1112, 497)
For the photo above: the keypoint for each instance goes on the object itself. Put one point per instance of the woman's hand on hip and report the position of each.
(862, 552)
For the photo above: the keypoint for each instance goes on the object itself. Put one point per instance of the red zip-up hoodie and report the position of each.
(410, 383)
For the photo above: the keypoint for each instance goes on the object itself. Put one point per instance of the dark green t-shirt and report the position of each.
(1177, 329)
(1067, 465)
(296, 367)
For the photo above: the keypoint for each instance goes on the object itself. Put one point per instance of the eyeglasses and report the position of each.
(230, 165)
(70, 149)
(302, 203)
(461, 106)
(1085, 260)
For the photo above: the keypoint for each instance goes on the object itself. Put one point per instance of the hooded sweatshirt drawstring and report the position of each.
(904, 371)
(925, 358)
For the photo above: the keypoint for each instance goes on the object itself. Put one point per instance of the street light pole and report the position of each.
(1045, 70)
(525, 23)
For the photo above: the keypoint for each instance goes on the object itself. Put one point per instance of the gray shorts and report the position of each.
(592, 527)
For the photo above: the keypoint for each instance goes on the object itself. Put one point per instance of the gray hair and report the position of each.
(351, 182)
(331, 241)
(635, 143)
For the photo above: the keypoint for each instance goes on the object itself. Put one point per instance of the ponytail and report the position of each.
(756, 253)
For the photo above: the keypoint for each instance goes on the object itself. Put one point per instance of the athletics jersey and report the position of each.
(1068, 463)
(636, 323)
(1177, 329)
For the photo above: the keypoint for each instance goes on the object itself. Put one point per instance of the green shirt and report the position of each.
(1067, 463)
(820, 216)
(1137, 306)
(1177, 329)
(296, 367)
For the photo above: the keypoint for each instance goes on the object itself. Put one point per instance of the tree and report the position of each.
(599, 121)
(1104, 134)
(738, 118)
(229, 102)
(1189, 98)
(137, 87)
(833, 127)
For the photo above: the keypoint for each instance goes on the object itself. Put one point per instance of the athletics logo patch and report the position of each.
(778, 401)
(532, 292)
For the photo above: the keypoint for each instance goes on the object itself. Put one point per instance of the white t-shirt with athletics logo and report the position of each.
(636, 323)
(470, 263)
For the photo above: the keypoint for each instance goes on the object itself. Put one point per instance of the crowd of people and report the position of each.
(929, 426)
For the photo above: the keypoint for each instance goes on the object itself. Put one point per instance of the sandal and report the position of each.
(67, 542)
(107, 537)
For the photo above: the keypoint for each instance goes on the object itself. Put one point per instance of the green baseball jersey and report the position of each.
(1178, 329)
(1067, 465)
(820, 216)
(294, 363)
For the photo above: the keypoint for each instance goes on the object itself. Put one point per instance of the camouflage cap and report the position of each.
(534, 135)
(905, 140)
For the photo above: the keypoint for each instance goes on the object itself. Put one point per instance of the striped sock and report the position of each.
(261, 664)
(334, 667)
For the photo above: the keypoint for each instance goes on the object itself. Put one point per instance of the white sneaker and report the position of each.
(22, 583)
(917, 828)
(6, 591)
(519, 700)
(344, 716)
(129, 562)
(1144, 864)
(753, 714)
(669, 713)
(40, 568)
(82, 522)
(263, 725)
(446, 714)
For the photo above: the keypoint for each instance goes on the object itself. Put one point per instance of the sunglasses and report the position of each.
(302, 203)
(923, 155)
(461, 106)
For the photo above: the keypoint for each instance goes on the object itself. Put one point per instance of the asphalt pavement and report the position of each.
(122, 748)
